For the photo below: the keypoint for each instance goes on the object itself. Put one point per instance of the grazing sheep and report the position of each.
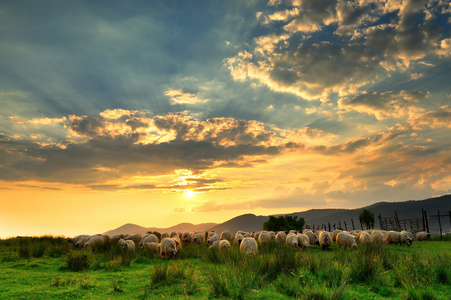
(346, 240)
(199, 238)
(95, 241)
(186, 238)
(178, 243)
(151, 247)
(168, 248)
(272, 234)
(293, 232)
(135, 238)
(212, 239)
(395, 237)
(292, 240)
(313, 239)
(239, 232)
(214, 245)
(126, 245)
(377, 238)
(224, 244)
(238, 239)
(173, 234)
(355, 232)
(408, 233)
(82, 241)
(423, 236)
(364, 238)
(76, 239)
(264, 237)
(226, 235)
(305, 230)
(303, 241)
(249, 246)
(117, 237)
(164, 235)
(149, 238)
(256, 235)
(281, 237)
(335, 233)
(325, 240)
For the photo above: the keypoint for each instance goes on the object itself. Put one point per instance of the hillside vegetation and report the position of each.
(50, 268)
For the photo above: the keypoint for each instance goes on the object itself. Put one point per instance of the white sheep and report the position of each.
(148, 239)
(126, 245)
(292, 240)
(168, 248)
(313, 239)
(95, 241)
(212, 239)
(249, 246)
(225, 235)
(135, 238)
(364, 238)
(264, 237)
(187, 238)
(346, 240)
(423, 236)
(199, 238)
(224, 244)
(325, 240)
(335, 233)
(151, 247)
(395, 237)
(303, 241)
(178, 243)
(408, 233)
(377, 238)
(164, 235)
(238, 239)
(281, 237)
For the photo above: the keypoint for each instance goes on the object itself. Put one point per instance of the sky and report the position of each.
(162, 112)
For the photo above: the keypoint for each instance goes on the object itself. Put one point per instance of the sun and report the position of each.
(189, 193)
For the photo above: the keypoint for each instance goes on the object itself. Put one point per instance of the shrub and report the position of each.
(77, 261)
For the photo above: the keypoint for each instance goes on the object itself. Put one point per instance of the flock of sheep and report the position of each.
(171, 244)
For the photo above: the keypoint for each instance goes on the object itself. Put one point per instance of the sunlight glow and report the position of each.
(189, 193)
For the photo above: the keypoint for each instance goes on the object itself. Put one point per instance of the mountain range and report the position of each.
(314, 217)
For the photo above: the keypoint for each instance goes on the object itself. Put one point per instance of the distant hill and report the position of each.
(405, 210)
(250, 222)
(132, 228)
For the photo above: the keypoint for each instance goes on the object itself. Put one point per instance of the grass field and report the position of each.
(49, 268)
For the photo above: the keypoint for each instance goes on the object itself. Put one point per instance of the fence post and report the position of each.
(427, 222)
(439, 224)
(422, 217)
(352, 221)
(449, 213)
(335, 227)
(397, 222)
(346, 226)
(330, 230)
(339, 224)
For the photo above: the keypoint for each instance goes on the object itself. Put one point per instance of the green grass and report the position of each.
(50, 268)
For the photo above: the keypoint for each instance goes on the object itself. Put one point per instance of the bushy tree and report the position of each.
(284, 223)
(367, 218)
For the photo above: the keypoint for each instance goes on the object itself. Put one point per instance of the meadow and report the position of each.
(51, 268)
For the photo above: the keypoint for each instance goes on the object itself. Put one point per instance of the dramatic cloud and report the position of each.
(382, 105)
(179, 97)
(374, 37)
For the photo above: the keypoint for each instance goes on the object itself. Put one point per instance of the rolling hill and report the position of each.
(250, 222)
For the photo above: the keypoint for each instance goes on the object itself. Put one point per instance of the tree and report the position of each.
(284, 223)
(366, 217)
